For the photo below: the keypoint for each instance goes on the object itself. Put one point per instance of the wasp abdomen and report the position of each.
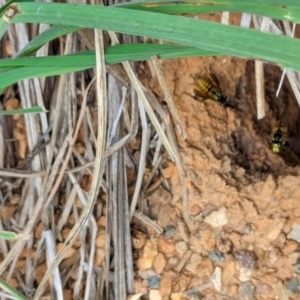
(208, 89)
(278, 136)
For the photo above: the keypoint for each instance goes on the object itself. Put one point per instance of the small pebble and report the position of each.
(216, 279)
(193, 263)
(245, 274)
(181, 247)
(217, 218)
(165, 286)
(173, 261)
(166, 246)
(176, 296)
(295, 233)
(248, 229)
(216, 256)
(159, 263)
(169, 231)
(246, 258)
(290, 247)
(239, 173)
(195, 210)
(247, 291)
(262, 288)
(293, 285)
(154, 282)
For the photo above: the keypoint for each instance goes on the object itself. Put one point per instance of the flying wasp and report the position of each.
(212, 91)
(278, 137)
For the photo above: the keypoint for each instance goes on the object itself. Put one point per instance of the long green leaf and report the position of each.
(113, 54)
(288, 10)
(245, 43)
(30, 67)
(15, 75)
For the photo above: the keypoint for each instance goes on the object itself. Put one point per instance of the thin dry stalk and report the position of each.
(263, 25)
(21, 174)
(142, 162)
(50, 254)
(260, 89)
(168, 97)
(137, 86)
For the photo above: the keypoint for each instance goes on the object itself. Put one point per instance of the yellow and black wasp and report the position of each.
(278, 138)
(212, 91)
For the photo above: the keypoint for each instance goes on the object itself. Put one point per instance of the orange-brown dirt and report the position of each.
(244, 200)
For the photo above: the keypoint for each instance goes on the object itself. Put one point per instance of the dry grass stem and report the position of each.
(168, 97)
(137, 86)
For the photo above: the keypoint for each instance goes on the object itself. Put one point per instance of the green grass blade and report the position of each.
(31, 110)
(288, 10)
(235, 41)
(45, 37)
(10, 77)
(26, 67)
(113, 54)
(5, 286)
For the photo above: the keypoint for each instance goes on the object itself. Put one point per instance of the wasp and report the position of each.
(278, 137)
(208, 89)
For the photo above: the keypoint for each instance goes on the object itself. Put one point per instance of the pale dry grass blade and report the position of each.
(55, 280)
(127, 232)
(116, 187)
(142, 162)
(79, 275)
(168, 97)
(260, 89)
(262, 24)
(21, 174)
(136, 84)
(246, 20)
(225, 18)
(89, 292)
(67, 209)
(108, 233)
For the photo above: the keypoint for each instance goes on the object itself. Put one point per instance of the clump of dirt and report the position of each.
(243, 198)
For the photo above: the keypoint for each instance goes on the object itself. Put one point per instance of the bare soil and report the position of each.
(243, 199)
